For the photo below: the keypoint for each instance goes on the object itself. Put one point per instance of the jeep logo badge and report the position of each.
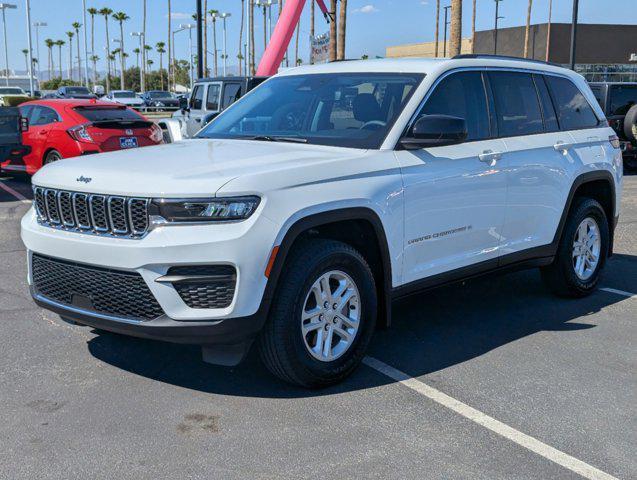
(83, 179)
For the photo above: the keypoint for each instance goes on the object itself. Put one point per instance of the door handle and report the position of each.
(489, 156)
(563, 147)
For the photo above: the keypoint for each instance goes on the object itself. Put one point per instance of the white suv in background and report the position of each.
(299, 214)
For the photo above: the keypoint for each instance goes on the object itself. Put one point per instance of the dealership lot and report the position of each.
(76, 403)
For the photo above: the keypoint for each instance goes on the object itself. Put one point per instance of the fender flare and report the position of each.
(171, 129)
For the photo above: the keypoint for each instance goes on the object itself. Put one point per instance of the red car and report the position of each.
(69, 128)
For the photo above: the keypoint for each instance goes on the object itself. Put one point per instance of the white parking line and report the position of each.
(15, 193)
(632, 296)
(522, 439)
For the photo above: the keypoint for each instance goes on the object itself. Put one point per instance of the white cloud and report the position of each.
(366, 9)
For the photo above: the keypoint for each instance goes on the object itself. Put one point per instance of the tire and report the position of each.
(285, 349)
(561, 276)
(52, 156)
(630, 124)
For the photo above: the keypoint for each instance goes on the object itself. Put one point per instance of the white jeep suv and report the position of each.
(299, 214)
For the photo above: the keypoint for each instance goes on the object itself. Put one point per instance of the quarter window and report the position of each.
(517, 106)
(573, 109)
(462, 95)
(231, 93)
(548, 110)
(212, 100)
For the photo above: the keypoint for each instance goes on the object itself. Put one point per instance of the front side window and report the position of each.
(196, 100)
(212, 100)
(622, 98)
(573, 110)
(517, 106)
(462, 95)
(354, 110)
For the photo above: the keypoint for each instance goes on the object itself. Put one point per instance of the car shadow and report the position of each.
(19, 183)
(430, 332)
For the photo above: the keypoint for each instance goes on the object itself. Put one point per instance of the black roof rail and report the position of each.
(503, 57)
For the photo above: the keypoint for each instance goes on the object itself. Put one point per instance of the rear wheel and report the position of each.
(582, 251)
(52, 156)
(323, 315)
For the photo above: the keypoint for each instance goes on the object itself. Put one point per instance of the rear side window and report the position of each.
(462, 95)
(622, 98)
(517, 106)
(42, 115)
(231, 93)
(93, 114)
(548, 110)
(212, 100)
(573, 109)
(196, 101)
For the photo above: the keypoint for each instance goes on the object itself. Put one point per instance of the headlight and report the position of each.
(167, 210)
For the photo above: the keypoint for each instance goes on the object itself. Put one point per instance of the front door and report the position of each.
(41, 120)
(454, 195)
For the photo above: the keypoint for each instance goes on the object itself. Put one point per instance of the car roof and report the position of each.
(425, 65)
(122, 91)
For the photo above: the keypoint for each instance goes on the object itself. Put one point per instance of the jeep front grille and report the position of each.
(92, 213)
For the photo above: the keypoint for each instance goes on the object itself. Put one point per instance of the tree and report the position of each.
(92, 12)
(60, 44)
(107, 12)
(121, 17)
(528, 28)
(76, 26)
(50, 44)
(144, 33)
(251, 33)
(214, 14)
(150, 62)
(333, 33)
(26, 59)
(240, 56)
(205, 38)
(312, 29)
(456, 28)
(161, 50)
(437, 34)
(342, 30)
(137, 51)
(94, 59)
(170, 66)
(473, 28)
(70, 35)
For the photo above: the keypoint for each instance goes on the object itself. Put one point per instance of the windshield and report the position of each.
(346, 109)
(123, 95)
(622, 97)
(11, 91)
(99, 114)
(78, 90)
(160, 94)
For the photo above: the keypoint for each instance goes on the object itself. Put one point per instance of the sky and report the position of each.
(372, 24)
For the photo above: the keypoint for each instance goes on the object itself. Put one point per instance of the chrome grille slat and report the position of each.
(109, 215)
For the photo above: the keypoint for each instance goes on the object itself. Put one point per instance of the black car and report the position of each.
(74, 92)
(619, 102)
(160, 99)
(12, 151)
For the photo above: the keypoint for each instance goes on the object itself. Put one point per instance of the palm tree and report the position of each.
(137, 51)
(437, 35)
(26, 59)
(312, 30)
(115, 53)
(205, 38)
(147, 48)
(121, 17)
(107, 12)
(456, 27)
(94, 59)
(110, 58)
(144, 37)
(342, 30)
(214, 14)
(150, 62)
(159, 46)
(60, 44)
(333, 37)
(240, 56)
(70, 35)
(92, 12)
(169, 46)
(76, 26)
(50, 44)
(528, 29)
(473, 29)
(296, 43)
(251, 33)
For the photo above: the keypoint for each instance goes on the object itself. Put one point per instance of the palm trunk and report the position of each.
(169, 47)
(214, 44)
(144, 42)
(473, 29)
(50, 63)
(240, 35)
(342, 30)
(312, 30)
(296, 46)
(60, 60)
(161, 72)
(456, 28)
(251, 33)
(528, 29)
(79, 57)
(121, 55)
(265, 29)
(94, 71)
(548, 31)
(437, 35)
(333, 33)
(70, 59)
(108, 60)
(205, 38)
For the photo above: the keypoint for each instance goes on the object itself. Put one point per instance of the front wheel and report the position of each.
(323, 316)
(52, 156)
(582, 251)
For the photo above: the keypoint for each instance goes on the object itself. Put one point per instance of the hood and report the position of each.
(191, 168)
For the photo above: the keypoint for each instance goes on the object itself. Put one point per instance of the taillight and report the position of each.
(156, 134)
(614, 141)
(80, 134)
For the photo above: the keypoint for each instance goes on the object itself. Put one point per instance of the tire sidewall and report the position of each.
(48, 160)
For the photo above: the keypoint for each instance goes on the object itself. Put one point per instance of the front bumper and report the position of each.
(244, 245)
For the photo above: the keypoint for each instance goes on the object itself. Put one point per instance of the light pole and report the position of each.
(189, 27)
(85, 45)
(174, 58)
(225, 42)
(142, 82)
(30, 69)
(444, 48)
(574, 33)
(3, 7)
(495, 33)
(267, 13)
(37, 26)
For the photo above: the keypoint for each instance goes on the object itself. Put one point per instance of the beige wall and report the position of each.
(427, 50)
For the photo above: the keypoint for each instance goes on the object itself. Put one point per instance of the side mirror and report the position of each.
(435, 131)
(183, 104)
(24, 124)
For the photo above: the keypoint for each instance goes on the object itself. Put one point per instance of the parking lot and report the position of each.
(492, 379)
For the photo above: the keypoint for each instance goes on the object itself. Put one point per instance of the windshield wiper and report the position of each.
(270, 138)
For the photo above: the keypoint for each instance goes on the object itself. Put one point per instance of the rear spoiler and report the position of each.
(122, 124)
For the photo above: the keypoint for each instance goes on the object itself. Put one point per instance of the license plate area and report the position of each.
(128, 142)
